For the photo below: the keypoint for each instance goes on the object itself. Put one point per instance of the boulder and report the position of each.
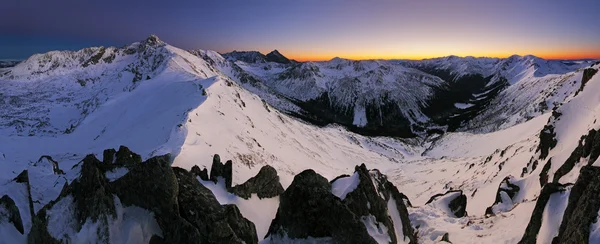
(265, 184)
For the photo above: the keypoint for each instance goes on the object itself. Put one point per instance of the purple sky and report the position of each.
(311, 29)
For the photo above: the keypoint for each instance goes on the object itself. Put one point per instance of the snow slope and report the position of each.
(193, 105)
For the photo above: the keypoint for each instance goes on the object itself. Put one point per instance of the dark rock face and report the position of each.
(400, 200)
(547, 141)
(277, 57)
(365, 200)
(575, 156)
(505, 187)
(109, 156)
(203, 174)
(185, 211)
(307, 208)
(221, 170)
(265, 184)
(458, 205)
(125, 157)
(544, 174)
(582, 209)
(215, 223)
(587, 75)
(13, 215)
(535, 222)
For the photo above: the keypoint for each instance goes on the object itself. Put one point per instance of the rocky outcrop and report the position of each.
(125, 157)
(220, 170)
(203, 174)
(215, 223)
(185, 211)
(10, 213)
(535, 222)
(544, 174)
(587, 75)
(456, 202)
(308, 209)
(582, 209)
(265, 184)
(504, 196)
(547, 141)
(588, 146)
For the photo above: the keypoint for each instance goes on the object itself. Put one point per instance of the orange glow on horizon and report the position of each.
(547, 55)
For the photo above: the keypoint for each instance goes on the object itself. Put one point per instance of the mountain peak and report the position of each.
(277, 57)
(153, 40)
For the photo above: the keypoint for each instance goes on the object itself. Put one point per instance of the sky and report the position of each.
(311, 29)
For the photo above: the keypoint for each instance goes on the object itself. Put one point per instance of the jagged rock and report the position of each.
(535, 222)
(582, 209)
(265, 184)
(307, 208)
(127, 158)
(221, 170)
(547, 141)
(8, 207)
(152, 185)
(506, 189)
(216, 223)
(401, 204)
(90, 192)
(366, 200)
(109, 156)
(242, 227)
(203, 174)
(457, 204)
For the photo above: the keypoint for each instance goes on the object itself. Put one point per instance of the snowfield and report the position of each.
(189, 105)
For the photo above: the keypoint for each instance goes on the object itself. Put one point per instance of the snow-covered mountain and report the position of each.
(517, 171)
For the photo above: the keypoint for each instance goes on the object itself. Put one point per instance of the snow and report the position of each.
(377, 230)
(116, 173)
(360, 116)
(342, 186)
(260, 211)
(553, 215)
(169, 114)
(442, 203)
(396, 221)
(463, 105)
(132, 225)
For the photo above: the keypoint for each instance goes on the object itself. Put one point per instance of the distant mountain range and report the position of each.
(124, 145)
